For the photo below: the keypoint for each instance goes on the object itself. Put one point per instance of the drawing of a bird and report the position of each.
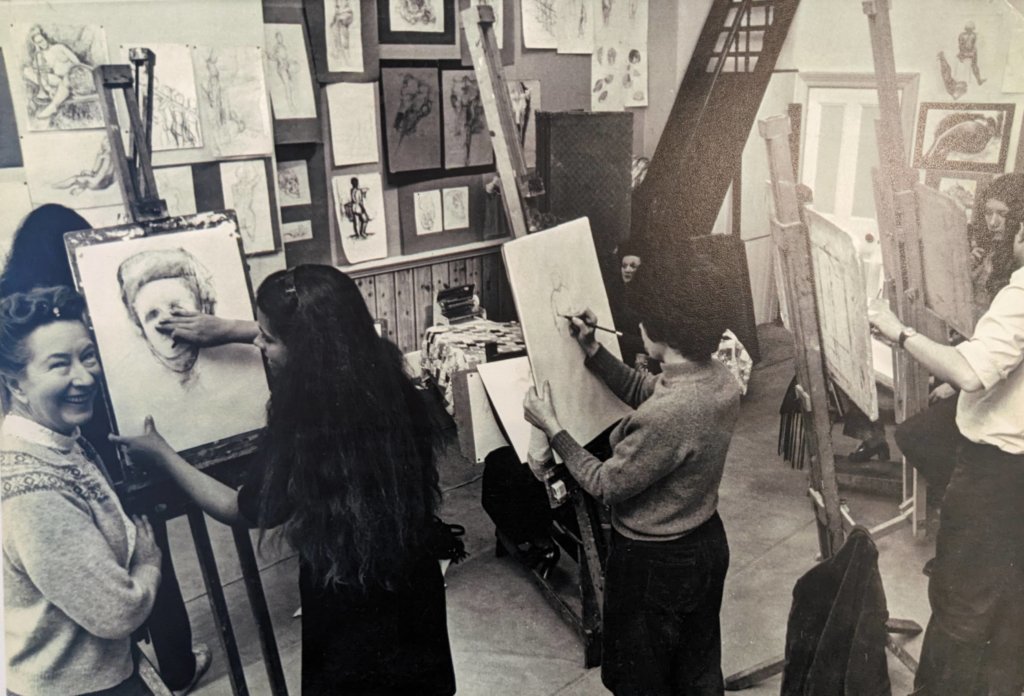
(962, 134)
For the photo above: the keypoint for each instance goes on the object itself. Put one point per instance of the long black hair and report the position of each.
(38, 258)
(1009, 189)
(348, 452)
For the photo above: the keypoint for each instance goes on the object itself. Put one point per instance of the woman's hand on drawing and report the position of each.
(883, 321)
(539, 410)
(150, 448)
(206, 329)
(582, 327)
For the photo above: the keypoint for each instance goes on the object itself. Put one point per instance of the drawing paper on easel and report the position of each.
(344, 23)
(175, 99)
(843, 311)
(948, 263)
(233, 100)
(359, 212)
(291, 86)
(245, 191)
(352, 110)
(554, 273)
(507, 382)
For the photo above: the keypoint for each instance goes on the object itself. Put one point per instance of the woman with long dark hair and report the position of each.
(349, 476)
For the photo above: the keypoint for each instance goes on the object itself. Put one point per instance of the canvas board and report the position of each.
(55, 62)
(176, 187)
(245, 191)
(233, 105)
(176, 123)
(353, 117)
(552, 273)
(946, 256)
(507, 382)
(842, 311)
(197, 396)
(359, 212)
(82, 177)
(291, 85)
(293, 183)
(343, 21)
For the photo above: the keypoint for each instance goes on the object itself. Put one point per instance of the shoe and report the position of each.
(866, 451)
(203, 659)
(928, 567)
(542, 559)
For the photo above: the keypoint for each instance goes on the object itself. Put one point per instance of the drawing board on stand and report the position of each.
(131, 277)
(554, 273)
(842, 311)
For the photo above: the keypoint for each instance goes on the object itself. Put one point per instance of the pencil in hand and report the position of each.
(570, 317)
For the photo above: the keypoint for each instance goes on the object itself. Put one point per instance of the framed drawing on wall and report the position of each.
(961, 136)
(132, 277)
(411, 119)
(467, 142)
(416, 21)
(963, 187)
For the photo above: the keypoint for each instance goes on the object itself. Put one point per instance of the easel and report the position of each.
(138, 189)
(791, 238)
(519, 189)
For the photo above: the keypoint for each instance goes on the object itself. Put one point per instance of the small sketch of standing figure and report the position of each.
(284, 66)
(213, 90)
(243, 193)
(355, 210)
(60, 85)
(338, 35)
(469, 111)
(968, 43)
(99, 178)
(955, 88)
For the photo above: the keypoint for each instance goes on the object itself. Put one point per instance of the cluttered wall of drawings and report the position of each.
(175, 98)
(246, 192)
(55, 62)
(843, 311)
(83, 176)
(962, 136)
(132, 283)
(233, 100)
(291, 84)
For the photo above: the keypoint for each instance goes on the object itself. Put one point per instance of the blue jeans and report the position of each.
(975, 638)
(662, 600)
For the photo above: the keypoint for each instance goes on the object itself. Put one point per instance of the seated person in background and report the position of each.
(38, 259)
(621, 302)
(669, 553)
(79, 576)
(975, 638)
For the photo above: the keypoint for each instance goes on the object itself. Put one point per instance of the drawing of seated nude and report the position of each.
(154, 285)
(100, 177)
(56, 75)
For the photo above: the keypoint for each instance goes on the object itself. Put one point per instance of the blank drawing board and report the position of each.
(131, 277)
(842, 312)
(506, 382)
(552, 273)
(946, 256)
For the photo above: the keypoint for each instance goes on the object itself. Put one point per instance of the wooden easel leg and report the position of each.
(258, 603)
(919, 520)
(591, 584)
(218, 604)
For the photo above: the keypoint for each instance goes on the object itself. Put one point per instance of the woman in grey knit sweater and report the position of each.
(79, 575)
(669, 554)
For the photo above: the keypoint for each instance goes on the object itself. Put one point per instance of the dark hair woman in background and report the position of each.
(38, 259)
(349, 475)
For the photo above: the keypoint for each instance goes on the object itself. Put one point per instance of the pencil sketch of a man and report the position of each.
(154, 285)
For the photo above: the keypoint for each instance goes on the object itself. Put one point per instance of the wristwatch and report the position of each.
(906, 333)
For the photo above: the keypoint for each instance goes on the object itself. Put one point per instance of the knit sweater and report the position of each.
(668, 455)
(72, 594)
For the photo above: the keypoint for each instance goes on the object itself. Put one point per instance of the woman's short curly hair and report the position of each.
(23, 312)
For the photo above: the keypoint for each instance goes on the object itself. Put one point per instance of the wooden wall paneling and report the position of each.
(365, 285)
(506, 305)
(423, 300)
(490, 266)
(473, 271)
(441, 278)
(406, 337)
(457, 272)
(386, 303)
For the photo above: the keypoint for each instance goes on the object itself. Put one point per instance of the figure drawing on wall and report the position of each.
(416, 102)
(56, 69)
(467, 121)
(338, 36)
(967, 52)
(961, 134)
(955, 88)
(98, 177)
(217, 99)
(285, 67)
(355, 210)
(420, 14)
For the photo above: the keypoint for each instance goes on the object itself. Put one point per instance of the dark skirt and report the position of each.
(379, 643)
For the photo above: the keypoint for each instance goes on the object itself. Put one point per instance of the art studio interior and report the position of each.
(523, 347)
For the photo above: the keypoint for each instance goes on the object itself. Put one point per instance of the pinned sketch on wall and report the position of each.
(499, 18)
(233, 100)
(507, 382)
(291, 85)
(359, 210)
(298, 231)
(175, 101)
(1013, 72)
(843, 311)
(466, 140)
(412, 118)
(293, 183)
(245, 191)
(82, 177)
(540, 23)
(428, 212)
(618, 65)
(525, 97)
(353, 117)
(455, 202)
(55, 62)
(947, 261)
(196, 395)
(416, 15)
(177, 188)
(575, 29)
(554, 272)
(344, 22)
(974, 137)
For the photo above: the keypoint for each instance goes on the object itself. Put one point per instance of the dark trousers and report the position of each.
(168, 625)
(662, 635)
(974, 645)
